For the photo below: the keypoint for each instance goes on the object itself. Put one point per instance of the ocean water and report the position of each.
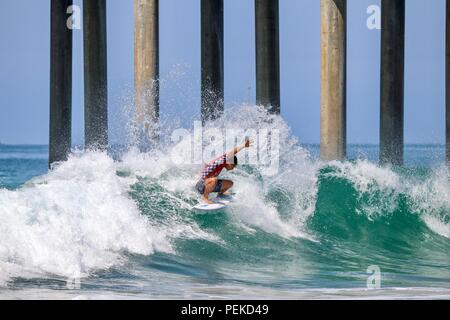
(118, 225)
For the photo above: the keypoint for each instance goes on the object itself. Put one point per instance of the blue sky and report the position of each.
(25, 47)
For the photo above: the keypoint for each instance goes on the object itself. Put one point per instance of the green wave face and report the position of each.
(312, 224)
(355, 215)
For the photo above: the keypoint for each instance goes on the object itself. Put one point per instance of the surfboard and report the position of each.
(220, 203)
(206, 207)
(223, 199)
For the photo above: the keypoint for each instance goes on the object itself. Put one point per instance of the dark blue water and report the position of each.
(19, 164)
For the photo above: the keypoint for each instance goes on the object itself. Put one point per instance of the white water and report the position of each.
(75, 220)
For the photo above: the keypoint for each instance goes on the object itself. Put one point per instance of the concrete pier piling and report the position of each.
(392, 81)
(60, 82)
(146, 66)
(333, 80)
(95, 74)
(212, 77)
(267, 54)
(333, 96)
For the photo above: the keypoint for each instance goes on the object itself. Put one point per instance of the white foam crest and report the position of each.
(437, 225)
(297, 183)
(379, 186)
(151, 164)
(366, 175)
(76, 219)
(250, 208)
(296, 178)
(431, 199)
(177, 181)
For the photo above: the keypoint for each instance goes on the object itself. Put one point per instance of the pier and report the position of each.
(333, 79)
(212, 56)
(146, 66)
(392, 81)
(333, 97)
(95, 75)
(267, 54)
(60, 137)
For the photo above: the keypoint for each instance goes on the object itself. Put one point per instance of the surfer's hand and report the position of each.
(248, 143)
(236, 150)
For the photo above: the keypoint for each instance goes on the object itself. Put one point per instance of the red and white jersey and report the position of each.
(214, 168)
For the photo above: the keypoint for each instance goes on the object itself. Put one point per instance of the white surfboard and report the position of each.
(206, 207)
(223, 199)
(219, 203)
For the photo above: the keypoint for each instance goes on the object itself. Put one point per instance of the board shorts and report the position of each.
(200, 186)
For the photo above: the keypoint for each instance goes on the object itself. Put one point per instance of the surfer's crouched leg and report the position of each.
(226, 184)
(213, 185)
(209, 185)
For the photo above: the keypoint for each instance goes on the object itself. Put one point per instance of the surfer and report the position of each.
(209, 182)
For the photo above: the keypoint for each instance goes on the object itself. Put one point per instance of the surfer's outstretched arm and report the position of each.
(234, 151)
